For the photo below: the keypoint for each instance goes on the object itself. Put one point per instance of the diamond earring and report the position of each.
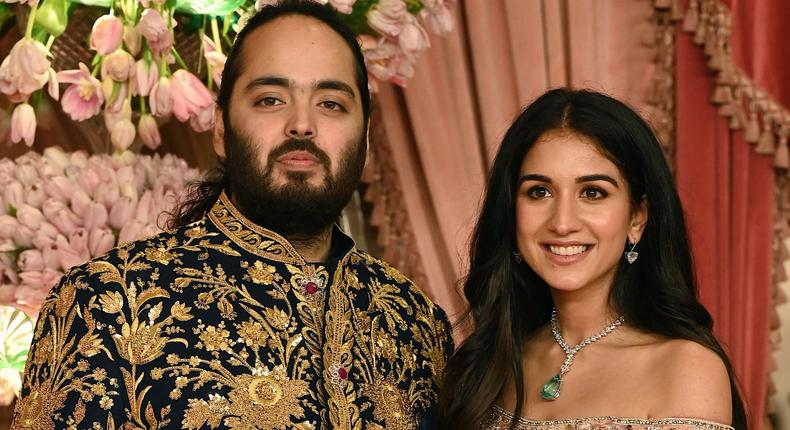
(631, 255)
(517, 257)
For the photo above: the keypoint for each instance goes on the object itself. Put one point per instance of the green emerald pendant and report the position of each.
(551, 390)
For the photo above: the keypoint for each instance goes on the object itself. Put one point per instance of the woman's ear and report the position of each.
(638, 221)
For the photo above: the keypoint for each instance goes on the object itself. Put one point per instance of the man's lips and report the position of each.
(298, 159)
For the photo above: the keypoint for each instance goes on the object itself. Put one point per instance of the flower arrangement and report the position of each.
(16, 333)
(137, 78)
(58, 210)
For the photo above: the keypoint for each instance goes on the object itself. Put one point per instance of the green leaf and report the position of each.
(52, 16)
(16, 334)
(99, 3)
(208, 7)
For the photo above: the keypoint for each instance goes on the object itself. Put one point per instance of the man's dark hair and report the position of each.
(204, 193)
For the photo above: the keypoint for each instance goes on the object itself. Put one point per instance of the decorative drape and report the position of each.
(730, 95)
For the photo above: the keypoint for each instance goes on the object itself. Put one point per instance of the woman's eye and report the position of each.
(593, 193)
(539, 192)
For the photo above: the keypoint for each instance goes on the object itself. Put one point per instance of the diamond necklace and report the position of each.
(551, 389)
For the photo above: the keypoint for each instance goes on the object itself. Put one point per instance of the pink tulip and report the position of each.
(14, 194)
(215, 59)
(101, 241)
(190, 96)
(7, 226)
(122, 212)
(117, 99)
(53, 87)
(343, 6)
(156, 31)
(204, 120)
(80, 203)
(131, 232)
(7, 290)
(88, 179)
(387, 17)
(122, 134)
(29, 216)
(107, 34)
(438, 17)
(7, 169)
(31, 261)
(145, 208)
(108, 193)
(145, 77)
(23, 236)
(118, 66)
(59, 188)
(23, 124)
(25, 69)
(132, 38)
(27, 174)
(45, 236)
(413, 37)
(35, 195)
(36, 286)
(65, 221)
(149, 131)
(50, 255)
(55, 155)
(84, 98)
(161, 99)
(95, 217)
(78, 241)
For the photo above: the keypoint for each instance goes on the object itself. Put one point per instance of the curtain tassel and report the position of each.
(699, 36)
(662, 4)
(691, 20)
(767, 143)
(722, 95)
(737, 118)
(677, 10)
(752, 133)
(782, 158)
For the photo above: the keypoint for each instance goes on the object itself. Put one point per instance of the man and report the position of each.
(259, 314)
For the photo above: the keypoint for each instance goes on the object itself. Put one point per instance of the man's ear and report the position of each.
(218, 139)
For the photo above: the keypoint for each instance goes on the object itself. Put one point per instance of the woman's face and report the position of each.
(573, 214)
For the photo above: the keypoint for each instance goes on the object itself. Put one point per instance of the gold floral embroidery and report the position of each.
(221, 324)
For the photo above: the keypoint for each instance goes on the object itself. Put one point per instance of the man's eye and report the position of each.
(269, 101)
(538, 192)
(332, 105)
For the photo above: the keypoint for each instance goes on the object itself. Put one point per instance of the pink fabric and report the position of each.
(727, 191)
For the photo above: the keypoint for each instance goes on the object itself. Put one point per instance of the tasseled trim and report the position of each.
(752, 133)
(767, 144)
(782, 158)
(691, 20)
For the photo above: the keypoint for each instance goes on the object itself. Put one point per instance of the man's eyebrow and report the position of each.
(333, 84)
(277, 81)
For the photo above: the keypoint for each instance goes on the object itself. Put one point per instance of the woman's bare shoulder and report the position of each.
(695, 382)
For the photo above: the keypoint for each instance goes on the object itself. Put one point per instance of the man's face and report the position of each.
(294, 145)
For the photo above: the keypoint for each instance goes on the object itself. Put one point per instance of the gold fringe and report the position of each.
(752, 133)
(767, 143)
(663, 4)
(691, 20)
(677, 11)
(722, 95)
(782, 158)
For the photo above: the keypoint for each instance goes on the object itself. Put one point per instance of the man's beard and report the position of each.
(297, 209)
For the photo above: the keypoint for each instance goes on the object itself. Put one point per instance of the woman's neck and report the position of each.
(581, 315)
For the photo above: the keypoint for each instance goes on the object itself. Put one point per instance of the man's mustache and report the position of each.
(306, 145)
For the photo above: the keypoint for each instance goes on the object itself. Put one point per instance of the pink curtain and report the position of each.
(728, 190)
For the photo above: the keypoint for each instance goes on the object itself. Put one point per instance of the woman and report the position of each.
(581, 285)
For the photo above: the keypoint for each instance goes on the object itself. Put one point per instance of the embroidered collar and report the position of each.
(261, 241)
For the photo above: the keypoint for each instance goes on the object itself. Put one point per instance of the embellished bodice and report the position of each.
(222, 325)
(499, 419)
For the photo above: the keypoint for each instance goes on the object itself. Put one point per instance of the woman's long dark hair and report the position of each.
(508, 301)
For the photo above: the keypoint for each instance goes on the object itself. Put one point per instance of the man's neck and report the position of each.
(314, 249)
